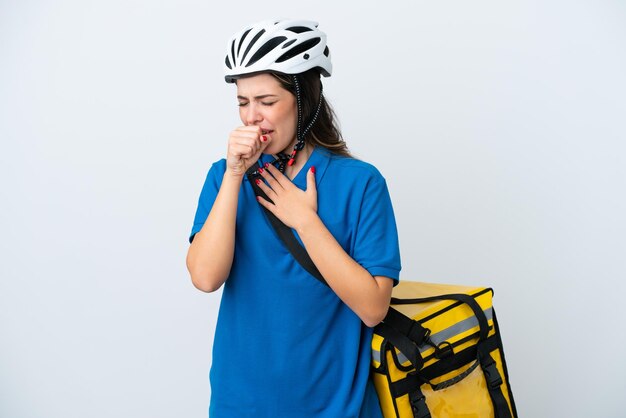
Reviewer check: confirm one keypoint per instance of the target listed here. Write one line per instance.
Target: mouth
(266, 131)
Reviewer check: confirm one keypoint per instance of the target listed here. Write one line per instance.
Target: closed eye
(241, 104)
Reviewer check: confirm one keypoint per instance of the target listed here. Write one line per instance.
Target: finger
(267, 205)
(253, 132)
(271, 194)
(241, 151)
(259, 143)
(311, 186)
(268, 176)
(250, 128)
(265, 140)
(281, 179)
(244, 136)
(252, 144)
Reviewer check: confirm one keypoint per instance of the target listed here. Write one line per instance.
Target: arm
(210, 256)
(367, 296)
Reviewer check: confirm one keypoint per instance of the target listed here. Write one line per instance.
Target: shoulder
(350, 169)
(217, 170)
(351, 165)
(219, 166)
(213, 177)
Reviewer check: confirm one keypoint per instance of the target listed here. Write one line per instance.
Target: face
(263, 102)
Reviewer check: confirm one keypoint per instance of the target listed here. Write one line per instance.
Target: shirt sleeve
(376, 244)
(207, 197)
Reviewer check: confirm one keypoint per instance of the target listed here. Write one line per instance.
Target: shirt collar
(319, 158)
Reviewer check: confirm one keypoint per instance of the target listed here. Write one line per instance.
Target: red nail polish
(258, 199)
(263, 138)
(261, 170)
(258, 181)
(267, 165)
(313, 169)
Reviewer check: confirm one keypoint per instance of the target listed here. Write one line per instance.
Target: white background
(499, 127)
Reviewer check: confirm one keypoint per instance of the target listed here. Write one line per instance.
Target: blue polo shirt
(285, 345)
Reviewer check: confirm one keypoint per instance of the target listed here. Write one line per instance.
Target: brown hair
(325, 131)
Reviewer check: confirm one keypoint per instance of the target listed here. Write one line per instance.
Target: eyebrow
(262, 96)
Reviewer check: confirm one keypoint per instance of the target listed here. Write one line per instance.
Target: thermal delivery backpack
(438, 353)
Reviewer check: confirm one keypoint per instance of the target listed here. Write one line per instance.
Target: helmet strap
(300, 133)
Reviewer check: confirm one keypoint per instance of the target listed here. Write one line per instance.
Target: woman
(287, 345)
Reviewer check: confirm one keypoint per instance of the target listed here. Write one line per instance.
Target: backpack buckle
(492, 376)
(418, 404)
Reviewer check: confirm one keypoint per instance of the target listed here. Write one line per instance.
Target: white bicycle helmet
(284, 46)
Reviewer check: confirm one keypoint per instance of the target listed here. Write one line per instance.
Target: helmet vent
(299, 29)
(298, 49)
(265, 49)
(242, 38)
(256, 38)
(232, 49)
(326, 51)
(228, 64)
(286, 44)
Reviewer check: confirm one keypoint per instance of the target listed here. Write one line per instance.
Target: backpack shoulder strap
(284, 232)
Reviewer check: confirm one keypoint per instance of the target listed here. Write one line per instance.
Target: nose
(252, 114)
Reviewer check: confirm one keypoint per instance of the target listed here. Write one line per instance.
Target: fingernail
(263, 138)
(267, 165)
(258, 181)
(258, 199)
(313, 169)
(261, 170)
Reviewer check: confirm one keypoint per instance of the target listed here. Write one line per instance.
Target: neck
(301, 158)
